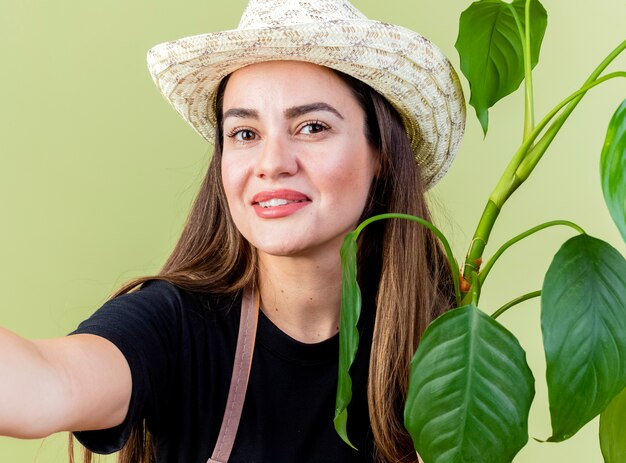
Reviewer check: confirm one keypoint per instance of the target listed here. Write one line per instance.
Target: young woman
(320, 118)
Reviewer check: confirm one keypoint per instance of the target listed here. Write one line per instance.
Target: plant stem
(524, 34)
(515, 301)
(475, 289)
(529, 110)
(454, 266)
(483, 275)
(480, 238)
(536, 152)
(594, 75)
(510, 181)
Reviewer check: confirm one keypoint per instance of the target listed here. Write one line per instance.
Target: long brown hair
(402, 261)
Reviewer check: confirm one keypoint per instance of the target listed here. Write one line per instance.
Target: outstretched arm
(79, 382)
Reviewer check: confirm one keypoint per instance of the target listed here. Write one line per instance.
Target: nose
(276, 158)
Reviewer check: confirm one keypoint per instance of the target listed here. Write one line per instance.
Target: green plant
(470, 388)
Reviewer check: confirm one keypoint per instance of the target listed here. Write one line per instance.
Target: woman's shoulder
(159, 302)
(164, 291)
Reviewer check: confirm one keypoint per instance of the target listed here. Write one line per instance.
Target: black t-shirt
(180, 346)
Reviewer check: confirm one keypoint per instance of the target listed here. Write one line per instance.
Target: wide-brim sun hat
(400, 64)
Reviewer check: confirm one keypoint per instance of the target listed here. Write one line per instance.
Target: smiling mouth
(275, 202)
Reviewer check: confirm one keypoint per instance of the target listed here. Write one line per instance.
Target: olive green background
(97, 172)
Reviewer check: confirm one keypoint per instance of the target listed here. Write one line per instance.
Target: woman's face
(296, 165)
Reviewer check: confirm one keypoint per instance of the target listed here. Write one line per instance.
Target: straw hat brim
(404, 67)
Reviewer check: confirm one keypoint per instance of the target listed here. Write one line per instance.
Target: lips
(279, 203)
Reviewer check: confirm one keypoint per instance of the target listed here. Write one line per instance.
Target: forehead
(285, 82)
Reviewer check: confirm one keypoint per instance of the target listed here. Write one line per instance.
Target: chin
(300, 249)
(281, 250)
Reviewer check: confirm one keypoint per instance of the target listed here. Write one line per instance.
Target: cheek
(355, 172)
(350, 183)
(233, 184)
(231, 179)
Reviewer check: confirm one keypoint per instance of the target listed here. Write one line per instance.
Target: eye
(313, 127)
(242, 135)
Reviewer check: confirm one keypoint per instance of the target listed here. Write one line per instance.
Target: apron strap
(239, 379)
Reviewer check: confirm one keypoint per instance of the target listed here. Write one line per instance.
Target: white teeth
(276, 202)
(273, 202)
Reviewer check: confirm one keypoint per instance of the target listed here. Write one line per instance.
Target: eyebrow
(290, 113)
(297, 111)
(242, 113)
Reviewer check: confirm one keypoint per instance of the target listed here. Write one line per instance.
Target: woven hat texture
(404, 67)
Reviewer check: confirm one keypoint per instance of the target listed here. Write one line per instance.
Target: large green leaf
(613, 168)
(583, 319)
(491, 49)
(470, 391)
(348, 334)
(613, 430)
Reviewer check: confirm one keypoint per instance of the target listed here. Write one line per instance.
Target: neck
(301, 296)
